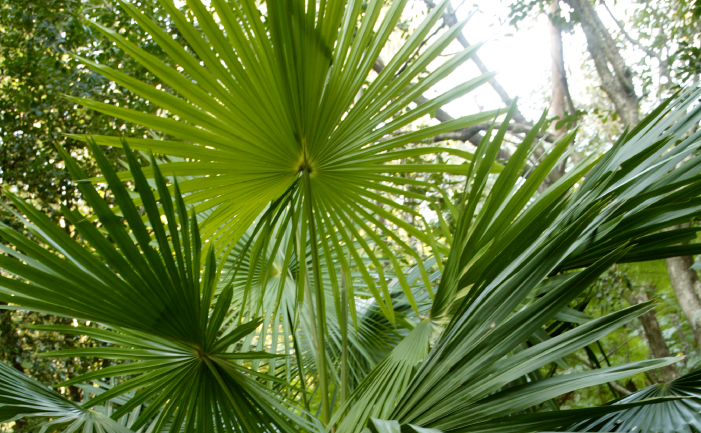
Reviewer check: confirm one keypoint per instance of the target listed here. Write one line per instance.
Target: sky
(521, 57)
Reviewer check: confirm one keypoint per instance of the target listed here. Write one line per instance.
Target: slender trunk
(558, 84)
(560, 96)
(683, 282)
(653, 333)
(557, 81)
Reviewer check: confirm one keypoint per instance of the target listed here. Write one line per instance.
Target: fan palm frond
(156, 306)
(279, 109)
(21, 397)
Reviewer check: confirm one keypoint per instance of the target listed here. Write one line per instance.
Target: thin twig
(630, 39)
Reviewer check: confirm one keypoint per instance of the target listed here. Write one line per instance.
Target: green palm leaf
(157, 307)
(675, 416)
(279, 105)
(273, 287)
(22, 397)
(287, 150)
(277, 112)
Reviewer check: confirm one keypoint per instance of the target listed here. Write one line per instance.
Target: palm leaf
(277, 112)
(675, 416)
(279, 101)
(22, 397)
(157, 307)
(273, 287)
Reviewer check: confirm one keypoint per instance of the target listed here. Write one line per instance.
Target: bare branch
(620, 389)
(630, 39)
(441, 115)
(473, 134)
(465, 134)
(450, 19)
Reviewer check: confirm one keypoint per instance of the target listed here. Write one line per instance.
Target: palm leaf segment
(157, 307)
(614, 215)
(272, 287)
(275, 109)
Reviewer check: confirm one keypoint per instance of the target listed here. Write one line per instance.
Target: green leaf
(22, 397)
(154, 306)
(677, 415)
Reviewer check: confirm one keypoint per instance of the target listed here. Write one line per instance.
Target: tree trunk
(616, 76)
(684, 281)
(653, 333)
(560, 96)
(557, 81)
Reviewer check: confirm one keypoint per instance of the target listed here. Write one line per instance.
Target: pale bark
(558, 83)
(653, 334)
(662, 55)
(616, 77)
(557, 80)
(684, 281)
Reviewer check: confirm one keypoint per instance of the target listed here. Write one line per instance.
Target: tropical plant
(674, 416)
(300, 305)
(23, 397)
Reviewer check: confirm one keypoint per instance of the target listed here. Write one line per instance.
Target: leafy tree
(38, 68)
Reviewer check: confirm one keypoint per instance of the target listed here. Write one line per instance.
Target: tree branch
(473, 134)
(630, 39)
(450, 19)
(620, 389)
(465, 134)
(616, 80)
(441, 115)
